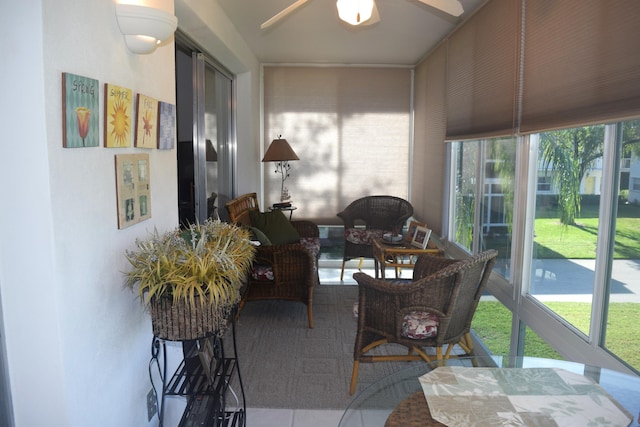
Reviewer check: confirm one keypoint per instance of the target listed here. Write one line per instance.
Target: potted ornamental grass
(190, 279)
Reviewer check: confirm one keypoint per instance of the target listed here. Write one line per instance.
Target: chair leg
(310, 315)
(354, 377)
(342, 271)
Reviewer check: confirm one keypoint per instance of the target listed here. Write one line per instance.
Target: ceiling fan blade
(452, 7)
(282, 14)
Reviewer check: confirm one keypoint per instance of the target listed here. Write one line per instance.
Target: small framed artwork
(421, 237)
(411, 231)
(118, 107)
(146, 122)
(80, 111)
(132, 189)
(166, 126)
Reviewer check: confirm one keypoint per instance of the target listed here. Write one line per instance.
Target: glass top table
(378, 404)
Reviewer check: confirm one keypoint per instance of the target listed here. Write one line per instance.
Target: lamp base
(285, 196)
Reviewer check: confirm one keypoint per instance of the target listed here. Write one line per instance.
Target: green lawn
(492, 324)
(555, 240)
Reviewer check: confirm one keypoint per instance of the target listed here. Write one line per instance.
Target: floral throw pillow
(420, 325)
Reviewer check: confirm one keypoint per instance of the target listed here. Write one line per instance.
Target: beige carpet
(284, 364)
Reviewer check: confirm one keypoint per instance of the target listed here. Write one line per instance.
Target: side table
(290, 209)
(387, 254)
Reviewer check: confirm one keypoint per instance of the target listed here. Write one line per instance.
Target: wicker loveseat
(284, 271)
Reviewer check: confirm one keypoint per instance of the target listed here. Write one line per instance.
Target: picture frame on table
(411, 231)
(421, 237)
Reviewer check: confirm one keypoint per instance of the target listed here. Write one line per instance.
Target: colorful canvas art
(80, 111)
(118, 107)
(146, 122)
(166, 126)
(132, 189)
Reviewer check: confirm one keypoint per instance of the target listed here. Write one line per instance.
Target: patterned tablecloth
(460, 396)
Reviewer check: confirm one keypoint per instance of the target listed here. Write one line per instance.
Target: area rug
(284, 364)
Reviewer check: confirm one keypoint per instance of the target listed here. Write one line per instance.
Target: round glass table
(391, 400)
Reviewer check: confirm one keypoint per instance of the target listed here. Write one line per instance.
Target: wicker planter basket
(179, 321)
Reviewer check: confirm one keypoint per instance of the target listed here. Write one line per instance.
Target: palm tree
(569, 153)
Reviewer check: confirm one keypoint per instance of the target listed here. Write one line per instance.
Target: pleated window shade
(581, 63)
(350, 127)
(428, 172)
(482, 73)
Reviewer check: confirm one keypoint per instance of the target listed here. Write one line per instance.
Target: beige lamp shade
(279, 151)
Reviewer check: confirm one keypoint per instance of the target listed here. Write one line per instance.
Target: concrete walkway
(572, 280)
(555, 279)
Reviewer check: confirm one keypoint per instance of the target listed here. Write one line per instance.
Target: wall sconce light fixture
(144, 28)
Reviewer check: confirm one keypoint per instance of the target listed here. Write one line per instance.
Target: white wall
(78, 344)
(29, 290)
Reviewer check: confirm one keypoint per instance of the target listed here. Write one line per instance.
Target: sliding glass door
(206, 137)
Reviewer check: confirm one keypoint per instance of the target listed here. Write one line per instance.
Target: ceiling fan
(363, 12)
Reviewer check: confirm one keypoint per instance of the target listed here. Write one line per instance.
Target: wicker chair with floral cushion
(286, 262)
(433, 309)
(370, 217)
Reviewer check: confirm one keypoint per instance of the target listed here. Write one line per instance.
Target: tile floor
(261, 417)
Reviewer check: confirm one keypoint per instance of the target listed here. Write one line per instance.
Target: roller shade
(350, 127)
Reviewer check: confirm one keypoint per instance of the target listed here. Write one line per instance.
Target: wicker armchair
(379, 215)
(283, 271)
(434, 309)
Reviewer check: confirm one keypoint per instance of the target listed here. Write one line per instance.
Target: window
(566, 223)
(544, 184)
(576, 247)
(484, 195)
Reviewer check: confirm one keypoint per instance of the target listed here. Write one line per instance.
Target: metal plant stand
(207, 386)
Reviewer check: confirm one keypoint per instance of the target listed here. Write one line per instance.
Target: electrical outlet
(152, 404)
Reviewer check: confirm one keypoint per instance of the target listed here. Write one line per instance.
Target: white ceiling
(407, 30)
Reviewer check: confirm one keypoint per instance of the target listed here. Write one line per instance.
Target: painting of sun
(118, 106)
(146, 122)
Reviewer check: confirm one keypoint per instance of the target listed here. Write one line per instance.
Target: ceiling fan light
(355, 12)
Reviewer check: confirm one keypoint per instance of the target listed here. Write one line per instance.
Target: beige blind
(350, 127)
(428, 171)
(482, 73)
(582, 63)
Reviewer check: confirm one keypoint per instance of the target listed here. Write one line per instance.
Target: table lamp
(281, 152)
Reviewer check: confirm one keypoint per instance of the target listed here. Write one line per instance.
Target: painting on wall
(166, 126)
(133, 191)
(118, 106)
(80, 111)
(146, 122)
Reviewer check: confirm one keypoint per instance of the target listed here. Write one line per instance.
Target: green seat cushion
(275, 226)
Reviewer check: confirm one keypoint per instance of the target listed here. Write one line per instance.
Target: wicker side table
(412, 412)
(394, 255)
